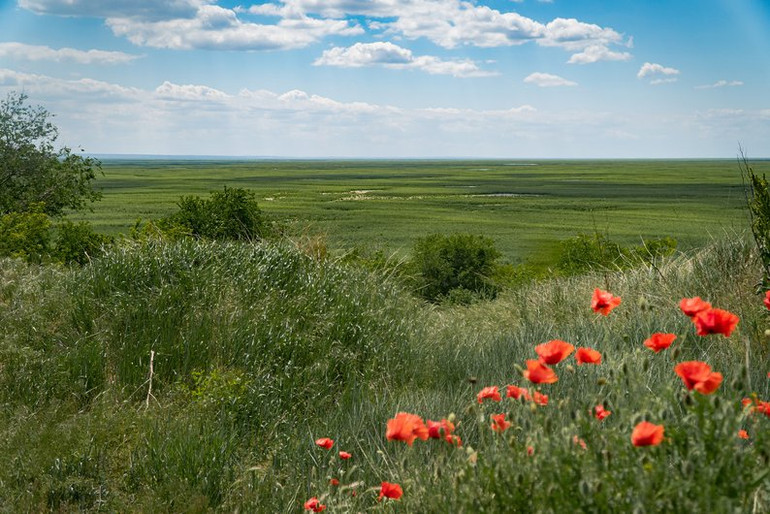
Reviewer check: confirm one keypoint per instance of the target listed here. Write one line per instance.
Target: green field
(527, 207)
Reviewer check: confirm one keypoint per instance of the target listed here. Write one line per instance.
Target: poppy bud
(533, 406)
(585, 489)
(716, 402)
(625, 369)
(601, 381)
(675, 353)
(646, 365)
(767, 332)
(570, 368)
(451, 417)
(472, 380)
(688, 400)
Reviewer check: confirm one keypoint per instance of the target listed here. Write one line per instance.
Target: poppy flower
(315, 505)
(443, 429)
(743, 434)
(588, 356)
(659, 341)
(600, 412)
(553, 351)
(715, 321)
(498, 423)
(578, 441)
(530, 450)
(540, 399)
(325, 443)
(392, 491)
(692, 306)
(647, 434)
(539, 373)
(698, 375)
(603, 302)
(454, 440)
(763, 407)
(345, 455)
(334, 482)
(516, 392)
(766, 299)
(490, 392)
(406, 427)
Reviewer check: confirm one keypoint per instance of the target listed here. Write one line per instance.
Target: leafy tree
(32, 170)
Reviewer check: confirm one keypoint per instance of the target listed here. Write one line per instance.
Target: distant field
(527, 207)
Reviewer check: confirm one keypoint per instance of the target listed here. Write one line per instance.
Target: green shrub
(458, 261)
(77, 242)
(230, 214)
(25, 235)
(587, 252)
(758, 201)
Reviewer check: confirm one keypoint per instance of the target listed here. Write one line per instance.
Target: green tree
(32, 170)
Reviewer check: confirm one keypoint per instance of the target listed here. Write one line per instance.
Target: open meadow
(527, 207)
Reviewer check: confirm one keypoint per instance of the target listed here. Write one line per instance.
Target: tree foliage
(32, 170)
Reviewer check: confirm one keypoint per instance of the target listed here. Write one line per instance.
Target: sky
(396, 78)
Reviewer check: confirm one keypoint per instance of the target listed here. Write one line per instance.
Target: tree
(32, 170)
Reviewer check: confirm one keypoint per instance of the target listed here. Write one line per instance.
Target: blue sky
(397, 78)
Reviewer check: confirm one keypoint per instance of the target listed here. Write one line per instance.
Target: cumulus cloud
(721, 83)
(23, 51)
(389, 55)
(648, 69)
(595, 53)
(548, 80)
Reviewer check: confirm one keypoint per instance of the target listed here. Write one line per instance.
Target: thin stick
(149, 388)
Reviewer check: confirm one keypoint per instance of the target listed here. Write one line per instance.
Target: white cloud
(595, 53)
(721, 83)
(389, 55)
(214, 27)
(657, 82)
(548, 80)
(147, 9)
(648, 69)
(23, 51)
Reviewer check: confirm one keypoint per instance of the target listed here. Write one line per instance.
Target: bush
(587, 252)
(77, 242)
(25, 235)
(458, 261)
(230, 214)
(758, 201)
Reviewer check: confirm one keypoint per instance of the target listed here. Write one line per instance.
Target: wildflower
(334, 482)
(443, 429)
(325, 443)
(578, 441)
(345, 455)
(647, 434)
(516, 392)
(715, 321)
(553, 351)
(539, 373)
(600, 412)
(454, 440)
(530, 451)
(692, 306)
(743, 434)
(603, 302)
(540, 399)
(315, 505)
(588, 356)
(763, 408)
(498, 423)
(406, 427)
(490, 392)
(389, 490)
(659, 341)
(766, 299)
(698, 375)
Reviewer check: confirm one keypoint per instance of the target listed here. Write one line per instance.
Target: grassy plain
(526, 206)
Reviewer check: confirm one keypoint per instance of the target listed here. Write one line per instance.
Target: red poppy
(743, 434)
(325, 443)
(539, 373)
(392, 491)
(498, 423)
(406, 427)
(516, 392)
(763, 407)
(600, 412)
(692, 306)
(334, 481)
(439, 429)
(603, 302)
(578, 441)
(698, 375)
(588, 356)
(766, 299)
(490, 392)
(454, 440)
(315, 505)
(540, 399)
(530, 450)
(553, 351)
(715, 321)
(345, 455)
(647, 434)
(659, 341)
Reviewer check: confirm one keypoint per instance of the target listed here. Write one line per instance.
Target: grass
(262, 349)
(527, 207)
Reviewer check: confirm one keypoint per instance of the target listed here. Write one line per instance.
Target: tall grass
(261, 349)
